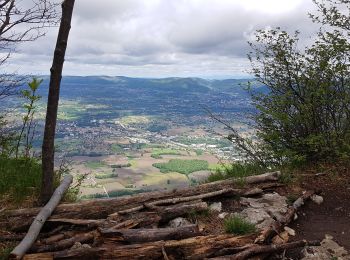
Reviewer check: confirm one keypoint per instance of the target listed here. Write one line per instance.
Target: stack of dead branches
(135, 227)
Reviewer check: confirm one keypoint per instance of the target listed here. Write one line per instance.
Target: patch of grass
(135, 120)
(199, 152)
(5, 252)
(19, 179)
(156, 156)
(157, 153)
(235, 170)
(133, 163)
(193, 215)
(238, 226)
(285, 178)
(116, 148)
(118, 166)
(106, 175)
(182, 166)
(291, 198)
(95, 164)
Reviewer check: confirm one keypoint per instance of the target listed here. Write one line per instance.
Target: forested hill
(107, 86)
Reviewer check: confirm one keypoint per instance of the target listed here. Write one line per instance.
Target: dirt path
(332, 217)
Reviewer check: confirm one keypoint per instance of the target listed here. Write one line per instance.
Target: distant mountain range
(173, 85)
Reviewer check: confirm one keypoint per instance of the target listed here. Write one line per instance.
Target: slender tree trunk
(52, 102)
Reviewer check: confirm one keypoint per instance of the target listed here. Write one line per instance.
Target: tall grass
(238, 226)
(19, 178)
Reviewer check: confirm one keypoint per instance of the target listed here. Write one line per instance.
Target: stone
(317, 199)
(282, 238)
(329, 249)
(178, 222)
(262, 211)
(216, 206)
(223, 215)
(76, 245)
(290, 231)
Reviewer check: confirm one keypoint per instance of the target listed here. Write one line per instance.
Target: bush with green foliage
(182, 166)
(304, 116)
(238, 226)
(27, 132)
(19, 178)
(303, 113)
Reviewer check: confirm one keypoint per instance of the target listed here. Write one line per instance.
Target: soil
(332, 217)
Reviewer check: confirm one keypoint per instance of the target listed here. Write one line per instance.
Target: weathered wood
(182, 199)
(266, 249)
(149, 235)
(40, 219)
(66, 243)
(100, 208)
(79, 222)
(191, 248)
(278, 225)
(168, 213)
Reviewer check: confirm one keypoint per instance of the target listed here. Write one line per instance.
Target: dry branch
(19, 220)
(66, 243)
(149, 235)
(191, 248)
(40, 219)
(277, 226)
(267, 249)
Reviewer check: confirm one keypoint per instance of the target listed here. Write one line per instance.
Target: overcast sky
(163, 38)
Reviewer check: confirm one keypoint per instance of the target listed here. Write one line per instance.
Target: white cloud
(163, 37)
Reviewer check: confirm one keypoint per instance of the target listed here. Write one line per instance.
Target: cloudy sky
(161, 38)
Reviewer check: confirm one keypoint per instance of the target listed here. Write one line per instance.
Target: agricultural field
(152, 167)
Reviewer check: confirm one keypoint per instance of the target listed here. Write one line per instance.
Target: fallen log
(278, 225)
(151, 205)
(254, 250)
(40, 219)
(191, 248)
(100, 208)
(168, 213)
(66, 243)
(149, 235)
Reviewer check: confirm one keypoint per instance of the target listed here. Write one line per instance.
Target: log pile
(136, 227)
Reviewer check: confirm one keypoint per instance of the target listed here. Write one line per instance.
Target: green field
(106, 175)
(157, 152)
(95, 164)
(182, 166)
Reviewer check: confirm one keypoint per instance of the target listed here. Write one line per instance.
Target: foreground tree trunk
(52, 102)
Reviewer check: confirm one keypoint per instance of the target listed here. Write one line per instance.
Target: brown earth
(332, 217)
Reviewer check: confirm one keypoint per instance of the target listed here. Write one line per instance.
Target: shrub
(19, 178)
(238, 226)
(303, 114)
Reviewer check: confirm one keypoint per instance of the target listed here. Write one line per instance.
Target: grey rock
(317, 199)
(223, 215)
(178, 222)
(262, 211)
(329, 249)
(216, 206)
(290, 231)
